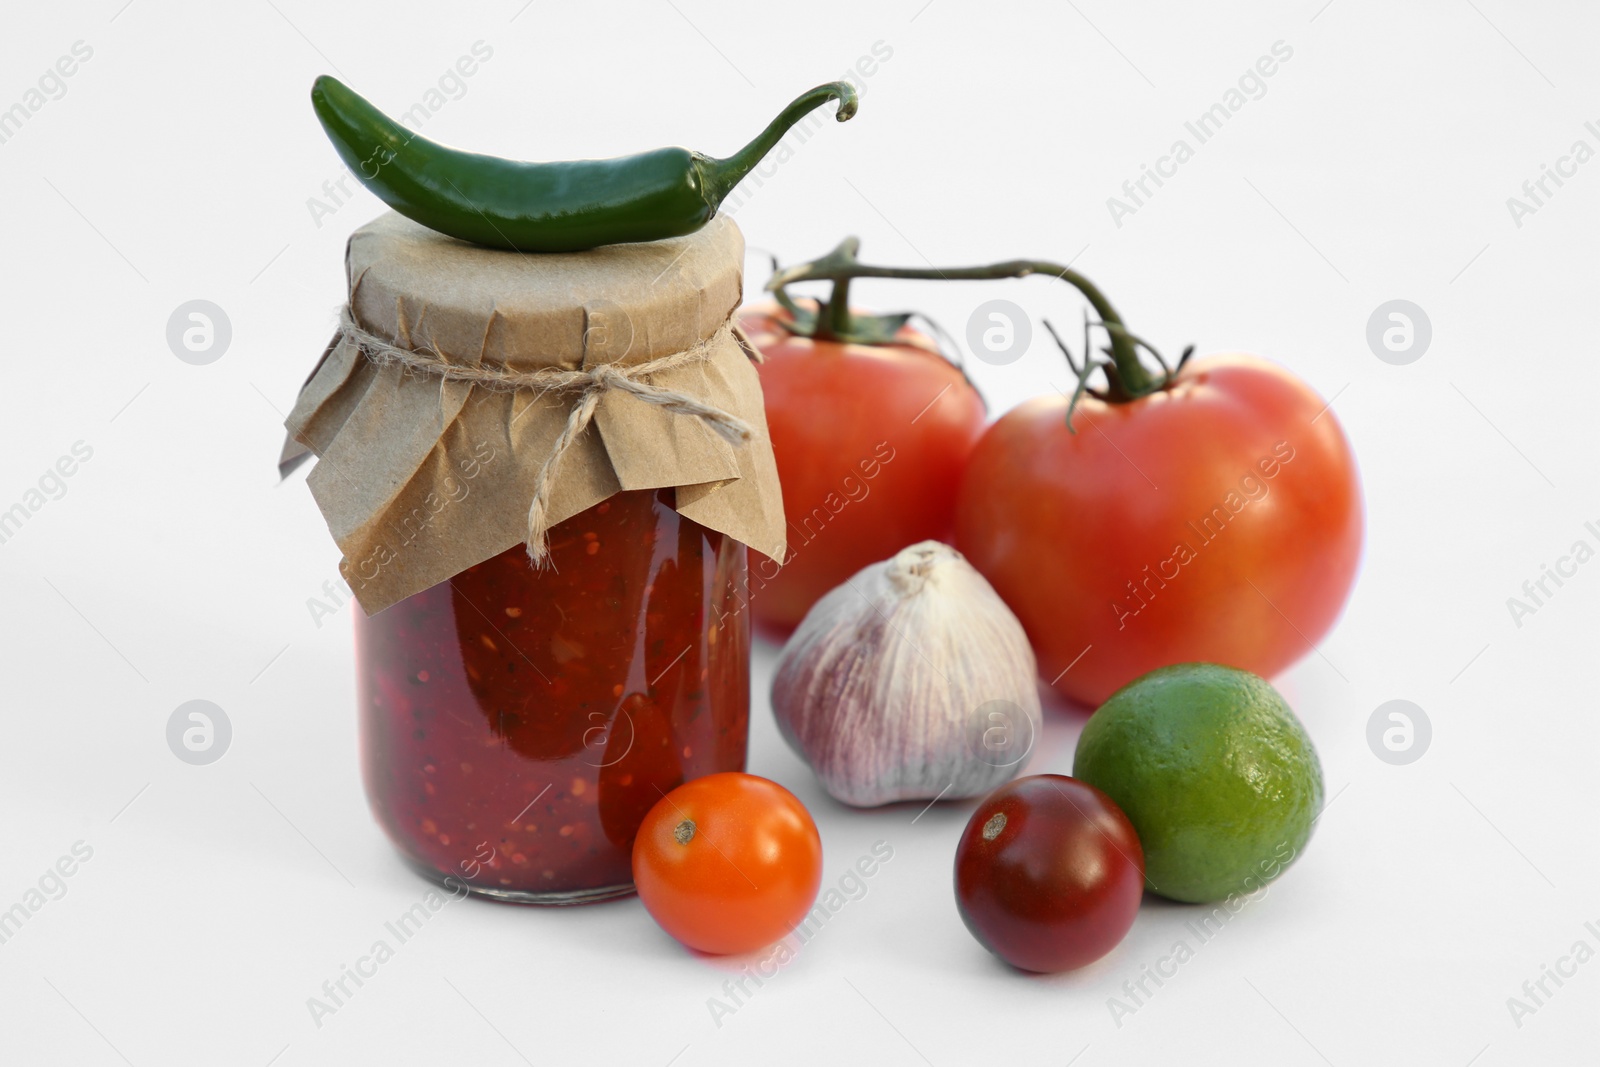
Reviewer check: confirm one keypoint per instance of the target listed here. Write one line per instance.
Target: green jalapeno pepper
(544, 207)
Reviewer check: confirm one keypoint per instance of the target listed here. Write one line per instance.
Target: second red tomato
(1218, 520)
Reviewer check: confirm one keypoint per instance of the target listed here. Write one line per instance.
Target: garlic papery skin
(910, 681)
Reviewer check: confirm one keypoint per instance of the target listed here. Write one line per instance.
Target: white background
(178, 165)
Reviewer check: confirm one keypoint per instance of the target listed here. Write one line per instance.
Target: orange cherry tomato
(728, 863)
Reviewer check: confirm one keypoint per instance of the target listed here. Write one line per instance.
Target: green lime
(1215, 773)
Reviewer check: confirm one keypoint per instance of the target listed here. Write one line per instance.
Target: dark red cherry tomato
(1049, 873)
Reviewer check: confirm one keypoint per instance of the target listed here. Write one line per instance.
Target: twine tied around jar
(588, 385)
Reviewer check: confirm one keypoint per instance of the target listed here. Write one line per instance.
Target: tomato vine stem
(1127, 376)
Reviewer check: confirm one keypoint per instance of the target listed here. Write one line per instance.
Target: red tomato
(1049, 873)
(728, 863)
(870, 441)
(1219, 521)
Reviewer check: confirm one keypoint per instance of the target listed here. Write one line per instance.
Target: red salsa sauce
(517, 724)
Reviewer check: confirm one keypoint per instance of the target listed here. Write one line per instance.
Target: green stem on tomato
(1131, 378)
(834, 321)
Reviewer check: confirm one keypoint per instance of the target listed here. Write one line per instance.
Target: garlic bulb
(913, 680)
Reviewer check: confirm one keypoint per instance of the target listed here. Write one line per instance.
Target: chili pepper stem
(721, 175)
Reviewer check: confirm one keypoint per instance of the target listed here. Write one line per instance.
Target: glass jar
(517, 724)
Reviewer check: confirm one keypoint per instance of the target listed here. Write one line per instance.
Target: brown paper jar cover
(420, 478)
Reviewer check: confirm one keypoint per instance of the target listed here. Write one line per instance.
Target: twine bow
(588, 385)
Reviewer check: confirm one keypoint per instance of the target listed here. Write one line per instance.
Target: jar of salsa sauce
(519, 719)
(517, 723)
